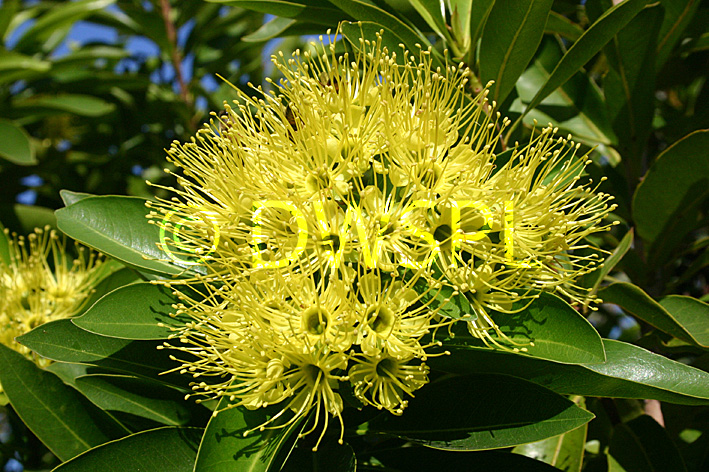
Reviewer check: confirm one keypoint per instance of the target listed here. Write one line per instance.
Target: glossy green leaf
(663, 218)
(137, 311)
(319, 11)
(69, 372)
(334, 458)
(559, 333)
(564, 452)
(51, 28)
(629, 84)
(678, 15)
(157, 450)
(83, 105)
(225, 449)
(62, 419)
(366, 11)
(577, 107)
(117, 278)
(629, 372)
(691, 314)
(117, 226)
(511, 36)
(15, 145)
(642, 445)
(430, 11)
(482, 411)
(587, 46)
(422, 459)
(63, 341)
(135, 396)
(69, 197)
(634, 300)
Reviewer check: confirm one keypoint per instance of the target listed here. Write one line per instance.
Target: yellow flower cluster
(40, 283)
(338, 214)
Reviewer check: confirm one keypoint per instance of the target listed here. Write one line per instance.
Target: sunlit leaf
(136, 311)
(157, 450)
(225, 448)
(629, 372)
(510, 39)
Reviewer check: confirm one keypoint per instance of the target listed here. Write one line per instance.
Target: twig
(176, 59)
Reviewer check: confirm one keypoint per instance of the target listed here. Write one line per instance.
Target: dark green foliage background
(628, 81)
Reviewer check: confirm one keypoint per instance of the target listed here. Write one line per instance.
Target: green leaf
(691, 314)
(611, 261)
(116, 279)
(430, 11)
(117, 226)
(269, 30)
(136, 311)
(642, 445)
(335, 458)
(366, 11)
(629, 372)
(69, 197)
(30, 217)
(318, 11)
(157, 450)
(83, 105)
(564, 452)
(63, 341)
(629, 85)
(479, 14)
(15, 145)
(135, 396)
(7, 13)
(87, 56)
(678, 14)
(511, 36)
(587, 46)
(225, 449)
(559, 24)
(60, 417)
(483, 411)
(577, 107)
(50, 29)
(634, 300)
(11, 61)
(443, 301)
(352, 32)
(422, 459)
(559, 333)
(663, 218)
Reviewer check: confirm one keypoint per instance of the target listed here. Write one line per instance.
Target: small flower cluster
(39, 282)
(337, 215)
